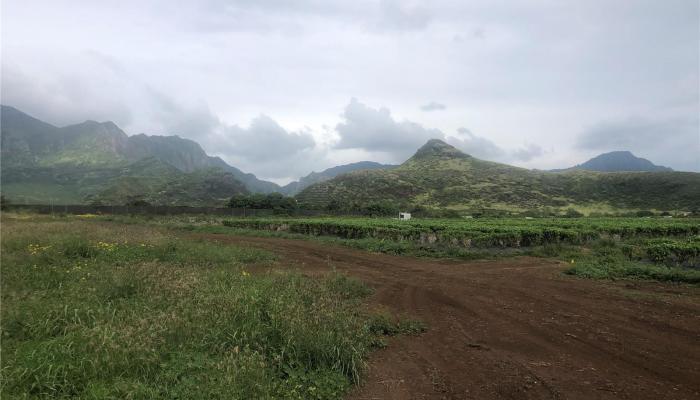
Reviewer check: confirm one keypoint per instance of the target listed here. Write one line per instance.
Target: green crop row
(678, 252)
(477, 232)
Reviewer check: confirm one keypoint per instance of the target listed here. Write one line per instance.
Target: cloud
(375, 130)
(668, 141)
(481, 147)
(193, 122)
(264, 140)
(477, 146)
(528, 153)
(433, 106)
(266, 148)
(64, 98)
(397, 15)
(530, 72)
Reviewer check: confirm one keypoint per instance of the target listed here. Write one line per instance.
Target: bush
(138, 203)
(271, 201)
(572, 213)
(644, 213)
(380, 209)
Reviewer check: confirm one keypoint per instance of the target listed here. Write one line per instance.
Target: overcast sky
(280, 88)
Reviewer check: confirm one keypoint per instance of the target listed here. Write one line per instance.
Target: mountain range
(97, 162)
(441, 176)
(295, 187)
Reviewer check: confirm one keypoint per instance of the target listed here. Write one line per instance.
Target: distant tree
(572, 213)
(278, 201)
(334, 205)
(4, 202)
(138, 203)
(449, 213)
(380, 209)
(96, 203)
(417, 209)
(644, 213)
(531, 213)
(240, 201)
(271, 201)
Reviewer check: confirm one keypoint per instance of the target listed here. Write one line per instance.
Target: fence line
(166, 210)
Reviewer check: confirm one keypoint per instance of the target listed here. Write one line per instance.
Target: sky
(281, 88)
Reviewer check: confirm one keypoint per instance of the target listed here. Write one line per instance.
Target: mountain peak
(621, 160)
(438, 148)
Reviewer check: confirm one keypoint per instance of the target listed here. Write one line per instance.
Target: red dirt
(515, 328)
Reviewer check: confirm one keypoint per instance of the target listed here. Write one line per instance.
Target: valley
(350, 200)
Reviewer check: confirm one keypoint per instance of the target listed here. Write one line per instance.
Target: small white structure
(404, 216)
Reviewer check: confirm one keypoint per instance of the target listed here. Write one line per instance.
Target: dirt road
(516, 328)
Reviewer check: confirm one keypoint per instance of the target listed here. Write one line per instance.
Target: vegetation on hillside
(43, 163)
(295, 187)
(151, 180)
(617, 161)
(439, 176)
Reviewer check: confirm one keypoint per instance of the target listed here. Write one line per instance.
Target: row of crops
(668, 251)
(482, 232)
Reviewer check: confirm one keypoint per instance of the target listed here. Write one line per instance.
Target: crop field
(95, 309)
(646, 248)
(501, 232)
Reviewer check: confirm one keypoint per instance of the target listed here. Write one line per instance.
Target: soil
(515, 328)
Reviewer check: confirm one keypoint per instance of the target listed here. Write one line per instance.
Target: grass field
(95, 309)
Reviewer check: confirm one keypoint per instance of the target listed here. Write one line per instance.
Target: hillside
(295, 187)
(98, 162)
(149, 179)
(30, 143)
(440, 176)
(617, 161)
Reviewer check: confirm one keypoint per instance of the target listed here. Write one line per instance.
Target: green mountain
(295, 187)
(149, 179)
(440, 176)
(29, 142)
(95, 161)
(618, 161)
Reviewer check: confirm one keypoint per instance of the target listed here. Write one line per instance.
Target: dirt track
(516, 328)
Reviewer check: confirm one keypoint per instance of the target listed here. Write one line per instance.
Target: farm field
(660, 248)
(212, 307)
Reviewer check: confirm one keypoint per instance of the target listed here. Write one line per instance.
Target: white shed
(404, 216)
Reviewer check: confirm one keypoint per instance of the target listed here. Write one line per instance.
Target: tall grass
(98, 310)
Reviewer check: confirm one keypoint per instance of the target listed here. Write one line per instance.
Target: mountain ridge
(98, 162)
(28, 141)
(295, 187)
(617, 161)
(440, 176)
